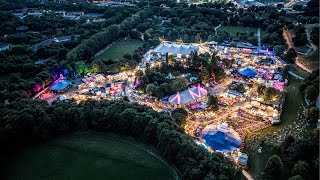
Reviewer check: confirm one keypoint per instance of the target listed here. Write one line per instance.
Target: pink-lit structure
(36, 88)
(278, 85)
(187, 96)
(177, 98)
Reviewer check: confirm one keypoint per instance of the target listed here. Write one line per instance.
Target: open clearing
(89, 155)
(232, 30)
(118, 49)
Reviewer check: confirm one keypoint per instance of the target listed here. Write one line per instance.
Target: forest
(28, 121)
(25, 121)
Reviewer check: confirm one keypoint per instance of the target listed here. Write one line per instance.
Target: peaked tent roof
(188, 95)
(167, 47)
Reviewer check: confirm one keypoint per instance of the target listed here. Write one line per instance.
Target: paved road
(295, 75)
(288, 39)
(215, 29)
(247, 175)
(259, 39)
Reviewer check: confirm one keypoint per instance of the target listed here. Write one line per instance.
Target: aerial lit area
(159, 89)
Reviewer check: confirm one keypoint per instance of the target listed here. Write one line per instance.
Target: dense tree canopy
(31, 120)
(273, 167)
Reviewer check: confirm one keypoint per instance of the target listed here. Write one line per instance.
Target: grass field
(292, 106)
(299, 72)
(120, 48)
(232, 30)
(89, 155)
(311, 61)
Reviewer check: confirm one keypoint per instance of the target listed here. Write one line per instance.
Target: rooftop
(60, 85)
(188, 95)
(184, 48)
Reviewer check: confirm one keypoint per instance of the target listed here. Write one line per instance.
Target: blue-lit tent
(221, 137)
(61, 85)
(248, 72)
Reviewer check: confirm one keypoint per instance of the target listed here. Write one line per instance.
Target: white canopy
(184, 49)
(188, 95)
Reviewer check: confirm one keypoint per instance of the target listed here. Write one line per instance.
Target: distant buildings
(249, 3)
(22, 28)
(4, 46)
(112, 3)
(280, 5)
(77, 14)
(22, 13)
(53, 40)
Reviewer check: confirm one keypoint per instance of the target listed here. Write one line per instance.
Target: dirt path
(288, 38)
(311, 45)
(247, 175)
(104, 49)
(215, 29)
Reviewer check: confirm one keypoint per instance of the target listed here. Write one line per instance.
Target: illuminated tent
(221, 137)
(183, 49)
(188, 95)
(248, 72)
(60, 85)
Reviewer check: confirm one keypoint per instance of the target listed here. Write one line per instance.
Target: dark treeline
(298, 158)
(28, 121)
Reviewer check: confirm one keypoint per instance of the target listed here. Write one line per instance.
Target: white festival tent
(188, 95)
(183, 49)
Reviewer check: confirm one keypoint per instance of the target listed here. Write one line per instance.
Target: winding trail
(311, 45)
(103, 50)
(215, 29)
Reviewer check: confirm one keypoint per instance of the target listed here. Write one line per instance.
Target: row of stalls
(101, 86)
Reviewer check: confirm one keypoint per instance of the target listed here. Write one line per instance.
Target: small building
(280, 5)
(242, 159)
(75, 13)
(19, 15)
(93, 15)
(64, 38)
(36, 14)
(4, 46)
(22, 28)
(63, 13)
